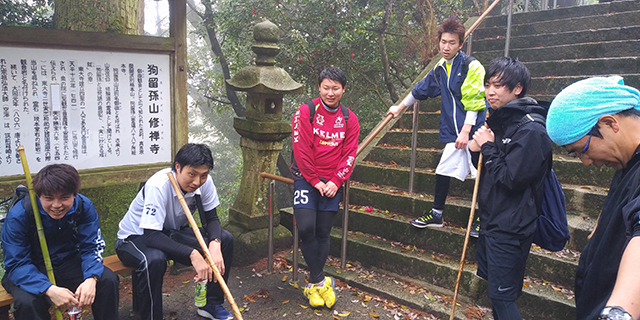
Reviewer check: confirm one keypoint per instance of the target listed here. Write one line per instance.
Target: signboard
(90, 109)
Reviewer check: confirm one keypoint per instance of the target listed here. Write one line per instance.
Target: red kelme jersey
(325, 147)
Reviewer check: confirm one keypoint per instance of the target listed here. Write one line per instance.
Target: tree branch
(217, 100)
(217, 50)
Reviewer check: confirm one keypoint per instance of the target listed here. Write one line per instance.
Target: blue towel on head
(577, 108)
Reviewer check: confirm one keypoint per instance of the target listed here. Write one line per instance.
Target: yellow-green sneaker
(328, 291)
(315, 300)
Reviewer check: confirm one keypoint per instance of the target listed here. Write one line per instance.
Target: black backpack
(552, 232)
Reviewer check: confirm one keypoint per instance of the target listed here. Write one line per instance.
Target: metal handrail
(273, 177)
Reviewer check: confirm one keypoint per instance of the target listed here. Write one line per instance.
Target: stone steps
(591, 50)
(558, 38)
(568, 170)
(440, 271)
(581, 67)
(585, 200)
(578, 23)
(601, 9)
(407, 206)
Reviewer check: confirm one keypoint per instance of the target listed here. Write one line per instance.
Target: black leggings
(314, 228)
(441, 189)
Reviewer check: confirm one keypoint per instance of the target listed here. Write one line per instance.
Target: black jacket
(600, 259)
(514, 166)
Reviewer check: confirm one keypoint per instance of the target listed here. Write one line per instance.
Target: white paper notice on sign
(89, 109)
(55, 98)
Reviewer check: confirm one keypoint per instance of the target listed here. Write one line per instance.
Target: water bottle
(75, 313)
(201, 294)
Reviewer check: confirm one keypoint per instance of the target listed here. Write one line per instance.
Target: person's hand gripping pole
(204, 247)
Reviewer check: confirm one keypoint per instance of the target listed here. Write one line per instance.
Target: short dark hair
(193, 154)
(334, 74)
(633, 112)
(57, 179)
(452, 25)
(510, 71)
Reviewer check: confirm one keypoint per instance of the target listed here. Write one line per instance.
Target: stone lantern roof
(265, 77)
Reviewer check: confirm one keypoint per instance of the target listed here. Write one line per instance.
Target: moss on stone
(111, 203)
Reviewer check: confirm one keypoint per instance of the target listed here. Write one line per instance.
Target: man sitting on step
(72, 230)
(517, 155)
(597, 120)
(458, 80)
(155, 229)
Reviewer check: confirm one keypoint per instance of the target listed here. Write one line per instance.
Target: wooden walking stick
(466, 236)
(204, 247)
(36, 215)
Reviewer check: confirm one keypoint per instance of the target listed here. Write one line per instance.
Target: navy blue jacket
(66, 239)
(459, 93)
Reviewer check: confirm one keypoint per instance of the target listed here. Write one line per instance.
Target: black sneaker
(475, 228)
(427, 220)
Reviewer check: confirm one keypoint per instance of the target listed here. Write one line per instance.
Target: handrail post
(414, 145)
(526, 6)
(296, 241)
(272, 185)
(345, 226)
(469, 43)
(507, 39)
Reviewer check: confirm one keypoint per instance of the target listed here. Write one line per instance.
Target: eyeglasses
(586, 147)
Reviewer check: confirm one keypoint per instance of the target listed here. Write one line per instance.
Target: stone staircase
(559, 47)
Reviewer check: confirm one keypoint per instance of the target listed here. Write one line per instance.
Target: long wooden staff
(36, 215)
(204, 247)
(466, 236)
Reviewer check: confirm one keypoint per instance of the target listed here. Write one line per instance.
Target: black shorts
(502, 262)
(306, 196)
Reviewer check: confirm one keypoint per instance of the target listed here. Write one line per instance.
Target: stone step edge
(556, 46)
(561, 33)
(418, 301)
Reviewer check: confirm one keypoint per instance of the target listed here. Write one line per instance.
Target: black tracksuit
(510, 198)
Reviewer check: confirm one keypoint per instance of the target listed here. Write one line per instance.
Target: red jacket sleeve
(349, 150)
(303, 144)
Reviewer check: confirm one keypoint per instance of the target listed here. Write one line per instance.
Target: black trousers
(502, 263)
(151, 265)
(28, 306)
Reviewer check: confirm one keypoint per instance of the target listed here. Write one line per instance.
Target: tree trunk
(117, 16)
(430, 28)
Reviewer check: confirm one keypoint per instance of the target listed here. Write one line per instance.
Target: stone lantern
(262, 133)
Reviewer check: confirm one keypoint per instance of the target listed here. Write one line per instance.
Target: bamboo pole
(204, 247)
(466, 236)
(36, 215)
